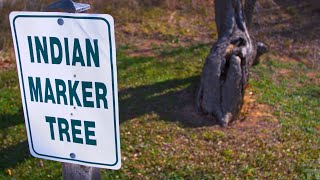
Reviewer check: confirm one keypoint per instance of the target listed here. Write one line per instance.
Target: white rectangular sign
(68, 79)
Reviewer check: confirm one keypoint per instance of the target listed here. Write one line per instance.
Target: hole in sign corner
(72, 155)
(60, 21)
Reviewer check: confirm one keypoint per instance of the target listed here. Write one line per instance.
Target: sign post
(68, 79)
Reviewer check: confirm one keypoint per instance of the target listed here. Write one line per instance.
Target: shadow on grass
(12, 155)
(170, 52)
(10, 120)
(172, 100)
(299, 29)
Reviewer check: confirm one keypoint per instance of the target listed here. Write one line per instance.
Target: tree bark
(226, 70)
(78, 172)
(249, 6)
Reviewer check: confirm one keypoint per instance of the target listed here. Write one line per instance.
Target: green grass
(295, 98)
(137, 22)
(159, 142)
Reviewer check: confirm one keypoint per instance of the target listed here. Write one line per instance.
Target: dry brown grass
(143, 25)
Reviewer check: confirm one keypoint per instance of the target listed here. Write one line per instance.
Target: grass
(175, 23)
(294, 95)
(158, 141)
(295, 99)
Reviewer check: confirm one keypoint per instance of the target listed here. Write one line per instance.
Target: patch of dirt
(256, 120)
(285, 58)
(186, 113)
(284, 71)
(6, 64)
(289, 28)
(314, 77)
(145, 48)
(260, 115)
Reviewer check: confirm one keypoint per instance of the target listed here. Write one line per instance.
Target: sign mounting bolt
(60, 21)
(72, 155)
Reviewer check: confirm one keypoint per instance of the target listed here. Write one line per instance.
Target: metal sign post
(75, 171)
(69, 6)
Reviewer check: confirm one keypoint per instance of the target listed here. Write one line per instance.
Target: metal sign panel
(68, 80)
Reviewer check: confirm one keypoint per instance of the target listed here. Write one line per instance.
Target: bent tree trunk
(226, 70)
